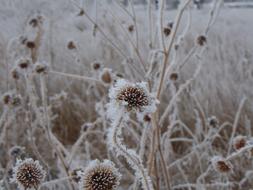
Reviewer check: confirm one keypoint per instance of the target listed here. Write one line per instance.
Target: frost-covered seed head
(239, 142)
(15, 74)
(131, 28)
(96, 66)
(221, 165)
(173, 76)
(106, 76)
(201, 40)
(71, 45)
(130, 97)
(30, 44)
(28, 174)
(213, 121)
(41, 68)
(100, 176)
(23, 63)
(135, 97)
(17, 152)
(166, 31)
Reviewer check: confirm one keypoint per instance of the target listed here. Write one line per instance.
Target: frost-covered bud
(132, 97)
(30, 44)
(239, 142)
(41, 68)
(28, 174)
(221, 165)
(100, 176)
(201, 40)
(106, 76)
(131, 28)
(96, 66)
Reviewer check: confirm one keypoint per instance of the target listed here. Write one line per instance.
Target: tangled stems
(115, 142)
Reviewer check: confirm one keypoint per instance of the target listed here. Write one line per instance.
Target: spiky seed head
(131, 97)
(221, 165)
(100, 176)
(201, 40)
(28, 174)
(239, 142)
(135, 97)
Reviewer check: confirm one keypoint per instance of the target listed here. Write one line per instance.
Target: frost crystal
(100, 176)
(28, 174)
(131, 98)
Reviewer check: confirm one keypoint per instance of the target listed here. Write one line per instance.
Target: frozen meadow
(102, 96)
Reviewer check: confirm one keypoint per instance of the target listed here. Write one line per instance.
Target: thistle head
(100, 176)
(28, 174)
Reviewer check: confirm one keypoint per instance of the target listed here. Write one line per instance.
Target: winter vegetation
(106, 95)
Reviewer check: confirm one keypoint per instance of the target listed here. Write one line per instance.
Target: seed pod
(30, 44)
(173, 76)
(166, 31)
(71, 45)
(131, 28)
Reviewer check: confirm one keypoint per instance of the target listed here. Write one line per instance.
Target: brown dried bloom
(106, 76)
(30, 44)
(71, 45)
(173, 76)
(166, 31)
(131, 28)
(23, 63)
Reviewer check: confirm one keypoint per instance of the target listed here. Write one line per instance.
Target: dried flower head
(239, 142)
(131, 97)
(28, 174)
(41, 68)
(221, 165)
(106, 76)
(201, 40)
(100, 176)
